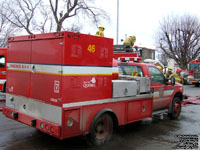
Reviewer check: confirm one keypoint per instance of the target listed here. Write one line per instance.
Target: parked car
(184, 74)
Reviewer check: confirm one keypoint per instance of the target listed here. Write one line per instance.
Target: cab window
(2, 61)
(130, 70)
(156, 75)
(194, 67)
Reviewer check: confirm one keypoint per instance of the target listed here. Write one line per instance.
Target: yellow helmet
(159, 67)
(134, 37)
(102, 27)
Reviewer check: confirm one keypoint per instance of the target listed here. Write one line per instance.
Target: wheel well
(180, 95)
(106, 111)
(114, 117)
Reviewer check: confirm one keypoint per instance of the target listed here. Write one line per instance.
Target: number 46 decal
(91, 48)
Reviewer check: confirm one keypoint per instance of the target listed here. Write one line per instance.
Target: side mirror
(173, 80)
(166, 81)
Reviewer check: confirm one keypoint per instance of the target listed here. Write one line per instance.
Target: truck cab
(164, 91)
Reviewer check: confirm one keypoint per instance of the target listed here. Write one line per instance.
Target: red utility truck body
(62, 84)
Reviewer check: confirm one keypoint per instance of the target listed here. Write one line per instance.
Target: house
(147, 53)
(172, 64)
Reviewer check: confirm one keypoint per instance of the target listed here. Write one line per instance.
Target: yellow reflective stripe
(178, 79)
(134, 74)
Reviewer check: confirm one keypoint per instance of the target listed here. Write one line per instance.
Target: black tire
(175, 108)
(101, 131)
(196, 84)
(4, 88)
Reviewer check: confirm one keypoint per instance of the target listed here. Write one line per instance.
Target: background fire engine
(194, 72)
(3, 63)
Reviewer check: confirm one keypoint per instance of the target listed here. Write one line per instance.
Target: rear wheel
(4, 88)
(102, 129)
(175, 108)
(196, 84)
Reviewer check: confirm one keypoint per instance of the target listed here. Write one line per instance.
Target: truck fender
(178, 94)
(109, 111)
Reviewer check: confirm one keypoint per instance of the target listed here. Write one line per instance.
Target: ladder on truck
(125, 53)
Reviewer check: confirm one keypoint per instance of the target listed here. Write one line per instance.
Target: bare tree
(163, 58)
(72, 8)
(20, 13)
(6, 30)
(42, 16)
(74, 28)
(179, 38)
(30, 15)
(44, 21)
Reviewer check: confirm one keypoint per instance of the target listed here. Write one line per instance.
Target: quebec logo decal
(91, 83)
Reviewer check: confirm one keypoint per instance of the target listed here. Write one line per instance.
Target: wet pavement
(151, 134)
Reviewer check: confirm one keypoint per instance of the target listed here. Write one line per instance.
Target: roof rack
(122, 49)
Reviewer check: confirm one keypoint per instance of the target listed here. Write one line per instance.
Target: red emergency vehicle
(3, 61)
(194, 72)
(62, 84)
(121, 53)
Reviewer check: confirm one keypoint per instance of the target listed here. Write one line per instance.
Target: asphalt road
(158, 133)
(192, 90)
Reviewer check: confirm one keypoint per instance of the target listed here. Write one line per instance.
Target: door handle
(33, 69)
(152, 90)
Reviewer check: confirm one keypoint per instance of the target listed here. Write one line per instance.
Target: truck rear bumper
(42, 125)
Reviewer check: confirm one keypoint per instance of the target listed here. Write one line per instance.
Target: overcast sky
(141, 17)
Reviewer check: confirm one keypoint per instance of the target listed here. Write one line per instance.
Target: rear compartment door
(46, 66)
(18, 67)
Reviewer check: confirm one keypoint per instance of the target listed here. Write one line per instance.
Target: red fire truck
(62, 84)
(3, 62)
(194, 72)
(165, 96)
(122, 53)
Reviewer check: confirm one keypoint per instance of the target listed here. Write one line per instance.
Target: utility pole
(117, 21)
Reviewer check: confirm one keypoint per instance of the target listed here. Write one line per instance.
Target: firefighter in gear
(177, 76)
(101, 31)
(135, 74)
(130, 41)
(169, 72)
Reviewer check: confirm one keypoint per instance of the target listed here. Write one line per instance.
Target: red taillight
(46, 127)
(122, 59)
(139, 59)
(49, 128)
(52, 130)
